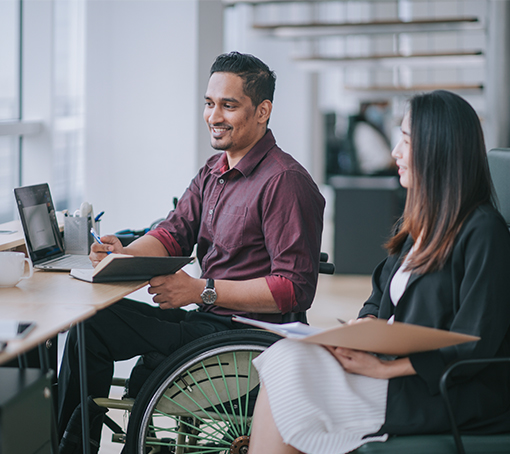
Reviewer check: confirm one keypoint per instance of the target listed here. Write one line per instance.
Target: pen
(96, 237)
(98, 216)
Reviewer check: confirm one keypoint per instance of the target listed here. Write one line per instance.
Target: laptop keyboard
(69, 262)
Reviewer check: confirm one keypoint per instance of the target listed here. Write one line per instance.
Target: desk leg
(45, 369)
(83, 389)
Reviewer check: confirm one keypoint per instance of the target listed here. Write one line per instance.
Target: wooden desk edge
(41, 334)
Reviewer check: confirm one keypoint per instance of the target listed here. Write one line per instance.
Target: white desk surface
(11, 240)
(16, 240)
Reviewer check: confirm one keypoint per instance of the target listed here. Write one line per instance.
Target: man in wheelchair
(256, 217)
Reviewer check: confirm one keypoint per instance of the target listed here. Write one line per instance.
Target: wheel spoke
(240, 406)
(195, 401)
(220, 416)
(248, 391)
(220, 400)
(207, 435)
(234, 423)
(207, 423)
(203, 449)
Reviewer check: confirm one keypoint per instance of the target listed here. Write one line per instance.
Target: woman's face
(402, 152)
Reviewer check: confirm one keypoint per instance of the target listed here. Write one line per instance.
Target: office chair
(499, 165)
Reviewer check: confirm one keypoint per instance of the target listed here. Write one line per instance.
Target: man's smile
(219, 130)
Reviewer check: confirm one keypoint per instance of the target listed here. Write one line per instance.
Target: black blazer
(471, 295)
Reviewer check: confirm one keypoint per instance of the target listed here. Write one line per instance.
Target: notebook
(43, 239)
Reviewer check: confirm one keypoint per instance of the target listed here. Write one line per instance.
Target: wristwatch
(209, 294)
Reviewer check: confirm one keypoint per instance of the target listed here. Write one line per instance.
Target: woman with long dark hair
(448, 268)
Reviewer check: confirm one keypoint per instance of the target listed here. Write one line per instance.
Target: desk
(49, 322)
(58, 288)
(12, 240)
(16, 240)
(55, 301)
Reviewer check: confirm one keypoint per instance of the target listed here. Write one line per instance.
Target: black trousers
(122, 331)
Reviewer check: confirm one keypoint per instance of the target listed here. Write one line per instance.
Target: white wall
(144, 103)
(293, 115)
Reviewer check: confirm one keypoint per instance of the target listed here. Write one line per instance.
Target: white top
(399, 283)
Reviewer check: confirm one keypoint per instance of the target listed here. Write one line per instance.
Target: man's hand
(176, 290)
(99, 251)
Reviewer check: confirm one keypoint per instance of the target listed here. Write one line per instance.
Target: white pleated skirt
(319, 408)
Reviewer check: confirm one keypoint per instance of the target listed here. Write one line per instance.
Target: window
(9, 103)
(41, 100)
(68, 110)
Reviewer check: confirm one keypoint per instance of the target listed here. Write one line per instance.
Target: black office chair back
(499, 165)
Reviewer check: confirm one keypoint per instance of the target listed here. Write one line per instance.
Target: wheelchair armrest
(294, 317)
(444, 393)
(324, 266)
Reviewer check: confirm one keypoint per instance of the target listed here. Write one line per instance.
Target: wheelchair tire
(201, 398)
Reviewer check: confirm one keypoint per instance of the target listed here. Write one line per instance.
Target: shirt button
(221, 181)
(210, 211)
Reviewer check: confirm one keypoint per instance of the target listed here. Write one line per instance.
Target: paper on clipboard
(371, 335)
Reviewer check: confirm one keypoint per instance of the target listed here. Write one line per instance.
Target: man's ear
(264, 111)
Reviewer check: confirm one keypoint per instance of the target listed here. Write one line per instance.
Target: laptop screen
(37, 213)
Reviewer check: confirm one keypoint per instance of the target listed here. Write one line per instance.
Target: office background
(103, 98)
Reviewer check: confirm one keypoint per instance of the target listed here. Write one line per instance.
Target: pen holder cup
(77, 237)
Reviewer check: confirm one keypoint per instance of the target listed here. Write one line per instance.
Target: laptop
(43, 239)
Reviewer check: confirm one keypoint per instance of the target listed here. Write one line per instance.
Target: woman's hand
(362, 363)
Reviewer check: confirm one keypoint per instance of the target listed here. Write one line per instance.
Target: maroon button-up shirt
(263, 218)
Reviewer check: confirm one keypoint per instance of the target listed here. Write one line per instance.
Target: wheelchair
(200, 399)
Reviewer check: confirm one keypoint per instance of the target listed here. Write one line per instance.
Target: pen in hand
(96, 237)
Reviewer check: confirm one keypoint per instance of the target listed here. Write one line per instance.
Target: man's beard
(220, 147)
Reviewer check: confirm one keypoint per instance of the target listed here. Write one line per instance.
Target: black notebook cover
(117, 267)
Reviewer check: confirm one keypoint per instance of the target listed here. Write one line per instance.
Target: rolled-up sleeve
(167, 240)
(283, 293)
(292, 224)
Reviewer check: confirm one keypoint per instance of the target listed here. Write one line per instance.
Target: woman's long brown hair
(449, 177)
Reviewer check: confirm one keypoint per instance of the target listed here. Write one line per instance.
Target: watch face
(208, 296)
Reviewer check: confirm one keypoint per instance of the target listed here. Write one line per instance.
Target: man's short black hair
(258, 80)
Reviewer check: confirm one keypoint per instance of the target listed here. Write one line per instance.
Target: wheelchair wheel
(200, 399)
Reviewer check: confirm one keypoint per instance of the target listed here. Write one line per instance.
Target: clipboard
(370, 335)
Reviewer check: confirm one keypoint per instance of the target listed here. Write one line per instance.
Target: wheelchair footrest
(119, 438)
(118, 404)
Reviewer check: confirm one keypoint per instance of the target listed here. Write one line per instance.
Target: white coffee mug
(12, 268)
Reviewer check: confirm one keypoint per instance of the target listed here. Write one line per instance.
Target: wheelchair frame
(200, 399)
(218, 369)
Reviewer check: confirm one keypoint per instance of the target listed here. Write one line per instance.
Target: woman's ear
(264, 111)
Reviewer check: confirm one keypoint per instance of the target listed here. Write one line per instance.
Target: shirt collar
(250, 160)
